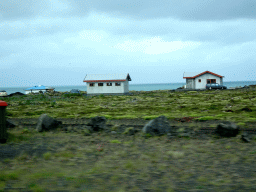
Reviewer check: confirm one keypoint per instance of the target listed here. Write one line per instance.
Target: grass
(154, 163)
(205, 105)
(47, 155)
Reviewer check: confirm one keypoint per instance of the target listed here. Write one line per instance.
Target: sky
(58, 42)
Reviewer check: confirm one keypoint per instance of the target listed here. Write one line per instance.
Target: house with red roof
(108, 84)
(199, 80)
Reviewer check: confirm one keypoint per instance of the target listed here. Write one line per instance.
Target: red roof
(202, 74)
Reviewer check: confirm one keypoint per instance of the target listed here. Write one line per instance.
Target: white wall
(204, 78)
(126, 86)
(106, 89)
(190, 83)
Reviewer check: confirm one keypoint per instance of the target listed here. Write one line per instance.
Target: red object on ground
(3, 104)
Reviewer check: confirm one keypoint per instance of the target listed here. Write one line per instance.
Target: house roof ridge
(107, 77)
(194, 76)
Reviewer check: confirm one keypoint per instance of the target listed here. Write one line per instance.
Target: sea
(132, 87)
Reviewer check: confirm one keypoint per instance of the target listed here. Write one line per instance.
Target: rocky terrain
(96, 154)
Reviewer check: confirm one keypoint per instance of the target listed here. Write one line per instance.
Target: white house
(109, 84)
(199, 80)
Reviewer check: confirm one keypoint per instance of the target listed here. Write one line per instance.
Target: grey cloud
(143, 9)
(224, 32)
(179, 9)
(13, 9)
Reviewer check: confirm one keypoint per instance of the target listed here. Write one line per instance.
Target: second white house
(108, 84)
(199, 80)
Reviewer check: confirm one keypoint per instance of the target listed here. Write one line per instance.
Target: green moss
(115, 141)
(206, 118)
(241, 124)
(150, 117)
(147, 105)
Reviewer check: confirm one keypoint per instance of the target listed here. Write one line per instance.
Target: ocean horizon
(132, 87)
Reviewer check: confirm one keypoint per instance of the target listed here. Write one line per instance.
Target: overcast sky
(58, 42)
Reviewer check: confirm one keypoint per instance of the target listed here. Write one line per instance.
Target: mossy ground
(118, 162)
(235, 105)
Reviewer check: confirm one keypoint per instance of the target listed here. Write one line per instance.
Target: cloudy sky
(58, 42)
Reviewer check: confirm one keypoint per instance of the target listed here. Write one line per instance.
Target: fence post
(3, 130)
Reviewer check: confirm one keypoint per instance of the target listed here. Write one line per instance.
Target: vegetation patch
(115, 141)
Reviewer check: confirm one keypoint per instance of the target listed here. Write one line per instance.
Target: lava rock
(9, 124)
(158, 126)
(97, 123)
(16, 94)
(227, 129)
(75, 91)
(46, 123)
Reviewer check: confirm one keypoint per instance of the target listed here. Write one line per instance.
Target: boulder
(227, 129)
(16, 94)
(97, 123)
(158, 126)
(9, 124)
(75, 91)
(46, 123)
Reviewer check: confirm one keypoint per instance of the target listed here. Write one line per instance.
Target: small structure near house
(199, 80)
(39, 89)
(109, 84)
(3, 93)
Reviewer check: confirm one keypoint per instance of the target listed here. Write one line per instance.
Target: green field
(234, 105)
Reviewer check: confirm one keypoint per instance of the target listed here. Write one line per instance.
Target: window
(209, 81)
(91, 84)
(118, 84)
(199, 80)
(109, 84)
(100, 84)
